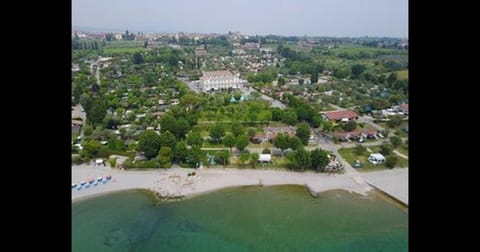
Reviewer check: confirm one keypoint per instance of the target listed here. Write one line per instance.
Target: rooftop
(338, 115)
(216, 74)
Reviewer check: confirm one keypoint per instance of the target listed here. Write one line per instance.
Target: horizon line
(82, 28)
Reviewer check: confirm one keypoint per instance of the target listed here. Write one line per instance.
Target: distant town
(162, 100)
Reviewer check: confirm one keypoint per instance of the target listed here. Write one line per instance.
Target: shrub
(266, 151)
(391, 161)
(140, 164)
(112, 162)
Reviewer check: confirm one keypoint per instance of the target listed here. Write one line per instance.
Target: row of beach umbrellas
(91, 182)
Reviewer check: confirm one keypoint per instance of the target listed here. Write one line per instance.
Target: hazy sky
(281, 17)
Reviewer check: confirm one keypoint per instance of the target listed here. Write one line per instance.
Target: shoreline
(174, 182)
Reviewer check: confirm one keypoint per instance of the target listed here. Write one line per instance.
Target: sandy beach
(175, 182)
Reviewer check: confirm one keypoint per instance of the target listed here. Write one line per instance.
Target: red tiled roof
(404, 106)
(338, 115)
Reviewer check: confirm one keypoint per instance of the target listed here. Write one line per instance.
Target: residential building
(76, 126)
(404, 108)
(217, 80)
(201, 50)
(340, 116)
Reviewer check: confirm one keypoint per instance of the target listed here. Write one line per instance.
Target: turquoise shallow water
(279, 218)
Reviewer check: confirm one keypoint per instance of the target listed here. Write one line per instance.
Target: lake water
(278, 218)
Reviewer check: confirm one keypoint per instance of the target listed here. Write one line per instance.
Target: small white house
(376, 158)
(265, 158)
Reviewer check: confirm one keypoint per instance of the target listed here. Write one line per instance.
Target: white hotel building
(217, 80)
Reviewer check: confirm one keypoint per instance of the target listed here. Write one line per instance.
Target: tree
(96, 112)
(281, 142)
(138, 58)
(319, 159)
(391, 161)
(254, 159)
(395, 121)
(277, 114)
(181, 128)
(237, 96)
(316, 121)
(396, 141)
(357, 70)
(229, 141)
(189, 101)
(165, 156)
(252, 116)
(217, 132)
(290, 117)
(87, 130)
(180, 152)
(167, 123)
(251, 132)
(91, 148)
(195, 139)
(266, 151)
(395, 99)
(314, 77)
(380, 103)
(244, 157)
(168, 139)
(301, 159)
(294, 142)
(381, 79)
(341, 73)
(281, 81)
(360, 149)
(223, 157)
(241, 142)
(350, 126)
(392, 78)
(237, 128)
(301, 81)
(327, 126)
(386, 149)
(149, 143)
(303, 132)
(195, 156)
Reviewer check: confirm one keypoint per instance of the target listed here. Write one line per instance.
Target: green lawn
(402, 162)
(402, 75)
(349, 155)
(397, 130)
(109, 51)
(369, 50)
(403, 148)
(265, 145)
(207, 144)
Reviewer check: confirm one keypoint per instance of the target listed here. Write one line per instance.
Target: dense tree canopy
(149, 143)
(319, 159)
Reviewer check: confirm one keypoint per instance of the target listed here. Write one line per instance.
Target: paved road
(275, 103)
(369, 120)
(393, 182)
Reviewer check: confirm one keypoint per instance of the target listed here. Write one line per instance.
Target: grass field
(403, 148)
(402, 162)
(112, 50)
(349, 155)
(397, 130)
(402, 75)
(369, 50)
